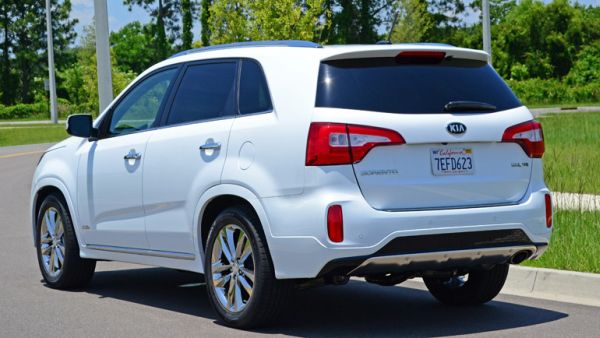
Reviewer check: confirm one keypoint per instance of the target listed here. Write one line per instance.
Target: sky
(119, 14)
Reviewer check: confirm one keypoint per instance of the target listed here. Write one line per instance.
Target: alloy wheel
(232, 268)
(52, 245)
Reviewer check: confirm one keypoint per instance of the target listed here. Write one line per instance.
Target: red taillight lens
(548, 201)
(338, 143)
(420, 56)
(335, 223)
(529, 135)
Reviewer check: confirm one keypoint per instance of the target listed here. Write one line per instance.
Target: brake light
(529, 136)
(338, 143)
(420, 56)
(335, 223)
(548, 201)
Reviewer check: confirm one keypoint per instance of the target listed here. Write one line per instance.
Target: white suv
(265, 165)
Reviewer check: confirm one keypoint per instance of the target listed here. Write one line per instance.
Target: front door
(110, 169)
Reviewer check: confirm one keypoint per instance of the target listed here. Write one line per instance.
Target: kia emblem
(456, 128)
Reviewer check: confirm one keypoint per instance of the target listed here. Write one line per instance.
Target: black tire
(481, 287)
(269, 294)
(75, 272)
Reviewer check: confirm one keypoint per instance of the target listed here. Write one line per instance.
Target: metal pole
(51, 79)
(103, 54)
(487, 37)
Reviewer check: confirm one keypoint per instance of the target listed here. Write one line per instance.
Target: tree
(6, 75)
(357, 21)
(412, 22)
(187, 14)
(539, 40)
(165, 18)
(248, 20)
(130, 47)
(24, 45)
(204, 22)
(81, 80)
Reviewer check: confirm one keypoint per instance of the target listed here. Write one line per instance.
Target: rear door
(186, 156)
(451, 112)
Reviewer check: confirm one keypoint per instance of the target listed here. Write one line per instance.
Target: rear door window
(205, 92)
(384, 85)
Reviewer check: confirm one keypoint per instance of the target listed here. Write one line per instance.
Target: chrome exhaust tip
(520, 256)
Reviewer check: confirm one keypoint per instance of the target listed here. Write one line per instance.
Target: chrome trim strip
(443, 256)
(142, 252)
(502, 204)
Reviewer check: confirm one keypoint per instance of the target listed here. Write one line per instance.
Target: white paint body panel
(159, 205)
(176, 173)
(109, 191)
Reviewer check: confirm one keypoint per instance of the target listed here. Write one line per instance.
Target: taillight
(529, 136)
(548, 202)
(338, 143)
(335, 223)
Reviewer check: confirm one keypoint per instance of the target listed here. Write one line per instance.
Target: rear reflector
(420, 56)
(335, 223)
(548, 201)
(338, 143)
(529, 136)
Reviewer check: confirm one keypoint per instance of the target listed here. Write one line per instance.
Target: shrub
(553, 91)
(23, 110)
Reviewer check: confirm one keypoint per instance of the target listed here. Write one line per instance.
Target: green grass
(575, 244)
(572, 152)
(563, 105)
(39, 117)
(31, 134)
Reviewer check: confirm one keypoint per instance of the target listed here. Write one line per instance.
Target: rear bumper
(439, 252)
(300, 248)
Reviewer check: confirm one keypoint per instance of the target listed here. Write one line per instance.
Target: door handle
(211, 145)
(132, 155)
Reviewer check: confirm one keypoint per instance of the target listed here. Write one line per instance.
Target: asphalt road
(129, 300)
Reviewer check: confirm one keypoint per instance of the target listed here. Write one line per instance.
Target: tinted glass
(254, 92)
(138, 110)
(205, 92)
(383, 85)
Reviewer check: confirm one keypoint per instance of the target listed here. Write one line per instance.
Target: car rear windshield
(385, 85)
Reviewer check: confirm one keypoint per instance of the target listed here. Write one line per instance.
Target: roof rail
(277, 43)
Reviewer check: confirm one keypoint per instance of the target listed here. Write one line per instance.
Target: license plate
(452, 161)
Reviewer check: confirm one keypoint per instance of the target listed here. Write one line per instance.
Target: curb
(572, 201)
(585, 109)
(557, 285)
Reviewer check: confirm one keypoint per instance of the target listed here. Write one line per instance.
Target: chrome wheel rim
(52, 245)
(232, 268)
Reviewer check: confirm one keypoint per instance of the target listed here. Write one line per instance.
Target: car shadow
(356, 309)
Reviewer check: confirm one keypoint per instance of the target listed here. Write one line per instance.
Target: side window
(139, 108)
(205, 92)
(254, 92)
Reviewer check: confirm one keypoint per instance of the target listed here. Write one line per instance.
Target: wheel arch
(44, 188)
(220, 197)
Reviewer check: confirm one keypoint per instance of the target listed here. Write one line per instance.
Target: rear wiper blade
(468, 105)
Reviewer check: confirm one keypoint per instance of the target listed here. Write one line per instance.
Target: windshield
(384, 85)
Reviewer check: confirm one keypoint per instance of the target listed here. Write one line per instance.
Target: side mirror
(80, 125)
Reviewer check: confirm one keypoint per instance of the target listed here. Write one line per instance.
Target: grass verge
(572, 152)
(575, 243)
(563, 105)
(31, 134)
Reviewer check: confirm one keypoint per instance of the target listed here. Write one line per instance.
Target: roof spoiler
(378, 51)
